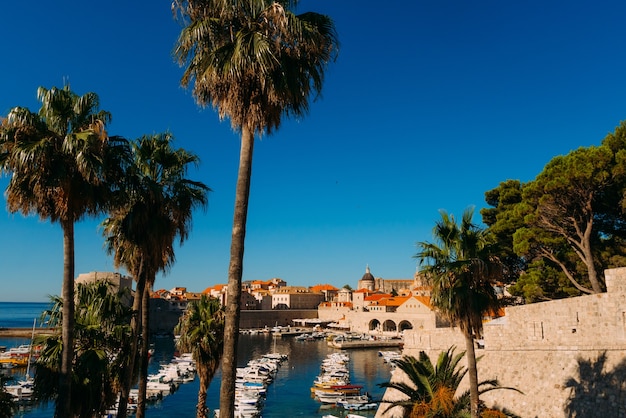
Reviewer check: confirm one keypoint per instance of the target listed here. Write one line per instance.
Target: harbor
(288, 395)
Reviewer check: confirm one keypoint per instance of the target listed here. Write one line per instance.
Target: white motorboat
(22, 390)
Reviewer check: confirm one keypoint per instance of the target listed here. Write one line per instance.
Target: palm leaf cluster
(461, 271)
(102, 341)
(429, 389)
(253, 60)
(156, 197)
(55, 157)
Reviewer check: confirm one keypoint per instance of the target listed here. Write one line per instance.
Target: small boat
(343, 389)
(355, 399)
(156, 383)
(22, 390)
(358, 406)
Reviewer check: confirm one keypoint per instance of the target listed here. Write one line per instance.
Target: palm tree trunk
(135, 326)
(143, 352)
(235, 273)
(472, 372)
(201, 409)
(64, 400)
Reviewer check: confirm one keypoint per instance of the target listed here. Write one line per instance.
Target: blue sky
(429, 105)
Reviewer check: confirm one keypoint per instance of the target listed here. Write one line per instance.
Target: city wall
(568, 356)
(271, 318)
(163, 319)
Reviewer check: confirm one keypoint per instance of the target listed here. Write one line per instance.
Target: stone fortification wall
(433, 341)
(163, 319)
(271, 318)
(568, 357)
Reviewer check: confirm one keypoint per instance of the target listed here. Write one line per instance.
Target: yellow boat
(14, 361)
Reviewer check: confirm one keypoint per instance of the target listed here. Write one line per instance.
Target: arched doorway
(405, 325)
(374, 325)
(389, 325)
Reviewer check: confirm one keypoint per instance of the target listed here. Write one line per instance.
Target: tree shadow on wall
(596, 392)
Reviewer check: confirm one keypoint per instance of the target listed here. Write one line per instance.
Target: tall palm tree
(59, 160)
(254, 61)
(430, 389)
(155, 207)
(461, 272)
(102, 334)
(201, 330)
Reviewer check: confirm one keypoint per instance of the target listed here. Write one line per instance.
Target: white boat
(22, 390)
(276, 356)
(354, 400)
(156, 383)
(247, 411)
(357, 406)
(328, 398)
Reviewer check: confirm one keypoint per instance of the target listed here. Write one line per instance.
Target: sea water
(288, 396)
(21, 314)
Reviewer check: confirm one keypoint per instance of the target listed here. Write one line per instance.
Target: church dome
(367, 277)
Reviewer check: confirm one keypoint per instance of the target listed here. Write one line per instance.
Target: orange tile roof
(321, 287)
(391, 301)
(377, 296)
(217, 287)
(159, 293)
(424, 300)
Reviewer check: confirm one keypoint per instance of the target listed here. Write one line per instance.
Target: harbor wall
(271, 318)
(163, 319)
(566, 356)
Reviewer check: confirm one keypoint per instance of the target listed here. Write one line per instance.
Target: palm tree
(461, 272)
(430, 389)
(102, 334)
(201, 331)
(155, 206)
(253, 61)
(60, 160)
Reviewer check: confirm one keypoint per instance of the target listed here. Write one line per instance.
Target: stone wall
(271, 318)
(163, 319)
(568, 356)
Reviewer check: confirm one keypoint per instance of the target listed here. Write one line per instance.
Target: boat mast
(30, 349)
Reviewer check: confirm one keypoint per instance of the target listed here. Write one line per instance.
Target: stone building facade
(567, 356)
(295, 297)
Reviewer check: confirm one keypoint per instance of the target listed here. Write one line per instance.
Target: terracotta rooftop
(377, 296)
(322, 287)
(391, 301)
